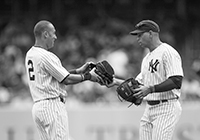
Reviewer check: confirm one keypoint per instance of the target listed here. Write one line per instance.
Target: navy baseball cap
(145, 26)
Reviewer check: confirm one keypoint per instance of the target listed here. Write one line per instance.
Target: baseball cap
(145, 26)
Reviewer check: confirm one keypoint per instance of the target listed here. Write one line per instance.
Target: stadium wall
(97, 123)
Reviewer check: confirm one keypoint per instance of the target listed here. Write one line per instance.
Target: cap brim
(135, 32)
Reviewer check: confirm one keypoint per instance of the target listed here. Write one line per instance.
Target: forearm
(117, 81)
(74, 71)
(169, 84)
(76, 78)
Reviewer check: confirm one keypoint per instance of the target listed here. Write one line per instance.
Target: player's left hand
(87, 67)
(142, 91)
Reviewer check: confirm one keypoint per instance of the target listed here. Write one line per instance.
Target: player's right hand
(96, 78)
(87, 67)
(142, 91)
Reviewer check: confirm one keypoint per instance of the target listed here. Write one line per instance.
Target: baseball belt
(156, 102)
(61, 99)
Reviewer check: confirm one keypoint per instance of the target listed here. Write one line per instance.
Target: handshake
(105, 76)
(104, 73)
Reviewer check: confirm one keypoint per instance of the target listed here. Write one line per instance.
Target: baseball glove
(105, 71)
(125, 91)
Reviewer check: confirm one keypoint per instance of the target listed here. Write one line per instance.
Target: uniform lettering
(31, 70)
(153, 65)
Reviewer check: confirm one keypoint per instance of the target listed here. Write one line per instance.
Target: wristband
(82, 77)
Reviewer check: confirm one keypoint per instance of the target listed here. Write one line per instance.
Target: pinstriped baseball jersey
(159, 65)
(44, 71)
(158, 121)
(163, 109)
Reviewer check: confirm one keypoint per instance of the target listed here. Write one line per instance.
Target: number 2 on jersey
(30, 70)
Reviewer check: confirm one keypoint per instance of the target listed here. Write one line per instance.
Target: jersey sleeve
(172, 63)
(53, 65)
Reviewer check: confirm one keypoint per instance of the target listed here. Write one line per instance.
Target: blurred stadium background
(93, 30)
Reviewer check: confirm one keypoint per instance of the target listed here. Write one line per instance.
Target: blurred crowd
(76, 44)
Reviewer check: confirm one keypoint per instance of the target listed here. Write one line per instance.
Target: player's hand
(87, 67)
(96, 78)
(142, 91)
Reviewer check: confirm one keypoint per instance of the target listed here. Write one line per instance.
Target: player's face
(143, 39)
(51, 37)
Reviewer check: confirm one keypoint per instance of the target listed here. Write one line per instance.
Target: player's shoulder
(169, 51)
(41, 55)
(38, 54)
(42, 52)
(166, 48)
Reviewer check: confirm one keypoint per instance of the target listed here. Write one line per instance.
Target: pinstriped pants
(51, 119)
(158, 121)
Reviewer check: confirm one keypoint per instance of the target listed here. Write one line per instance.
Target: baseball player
(160, 78)
(47, 80)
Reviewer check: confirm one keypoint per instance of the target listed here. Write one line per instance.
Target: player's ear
(45, 34)
(150, 33)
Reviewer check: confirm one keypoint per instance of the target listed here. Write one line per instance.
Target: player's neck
(40, 45)
(155, 45)
(158, 43)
